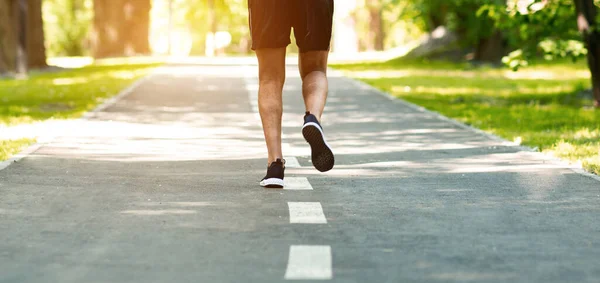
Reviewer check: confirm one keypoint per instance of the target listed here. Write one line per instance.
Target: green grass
(65, 94)
(541, 105)
(61, 95)
(10, 147)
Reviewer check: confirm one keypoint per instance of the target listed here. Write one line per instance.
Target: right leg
(313, 71)
(312, 29)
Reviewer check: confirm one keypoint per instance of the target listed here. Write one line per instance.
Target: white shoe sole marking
(272, 182)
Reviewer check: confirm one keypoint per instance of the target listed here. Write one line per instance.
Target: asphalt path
(162, 186)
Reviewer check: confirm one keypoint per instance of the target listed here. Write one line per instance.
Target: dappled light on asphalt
(189, 139)
(473, 276)
(210, 117)
(175, 165)
(159, 212)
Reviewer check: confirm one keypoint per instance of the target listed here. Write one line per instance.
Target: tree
(205, 18)
(475, 32)
(7, 36)
(587, 25)
(121, 28)
(13, 21)
(67, 24)
(20, 24)
(552, 29)
(137, 26)
(36, 50)
(369, 16)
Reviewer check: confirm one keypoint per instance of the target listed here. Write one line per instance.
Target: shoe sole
(272, 183)
(321, 154)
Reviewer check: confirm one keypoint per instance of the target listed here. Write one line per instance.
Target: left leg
(270, 26)
(271, 65)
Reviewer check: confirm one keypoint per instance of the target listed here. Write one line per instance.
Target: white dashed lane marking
(292, 162)
(309, 263)
(297, 184)
(305, 262)
(306, 213)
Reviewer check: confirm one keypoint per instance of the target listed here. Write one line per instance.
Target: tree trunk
(8, 42)
(20, 12)
(108, 40)
(377, 33)
(137, 18)
(211, 44)
(35, 35)
(490, 49)
(437, 16)
(121, 28)
(586, 20)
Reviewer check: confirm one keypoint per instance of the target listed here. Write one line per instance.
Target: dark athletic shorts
(271, 22)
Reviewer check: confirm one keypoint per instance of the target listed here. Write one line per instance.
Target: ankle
(273, 160)
(318, 115)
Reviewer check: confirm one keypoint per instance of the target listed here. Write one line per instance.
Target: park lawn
(11, 147)
(64, 94)
(541, 106)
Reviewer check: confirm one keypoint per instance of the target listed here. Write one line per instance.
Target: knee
(317, 71)
(271, 84)
(269, 77)
(270, 80)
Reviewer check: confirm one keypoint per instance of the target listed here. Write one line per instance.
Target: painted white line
(297, 184)
(292, 162)
(306, 213)
(309, 263)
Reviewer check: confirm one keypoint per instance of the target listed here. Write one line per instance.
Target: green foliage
(547, 28)
(542, 105)
(231, 16)
(459, 16)
(66, 26)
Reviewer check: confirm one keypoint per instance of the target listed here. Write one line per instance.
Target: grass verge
(11, 147)
(543, 106)
(64, 94)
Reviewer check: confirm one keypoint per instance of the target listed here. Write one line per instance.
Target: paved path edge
(575, 167)
(44, 140)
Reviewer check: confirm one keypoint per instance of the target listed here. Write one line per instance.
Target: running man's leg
(312, 28)
(271, 76)
(270, 27)
(313, 70)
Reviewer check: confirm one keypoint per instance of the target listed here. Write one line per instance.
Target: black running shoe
(321, 154)
(274, 177)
